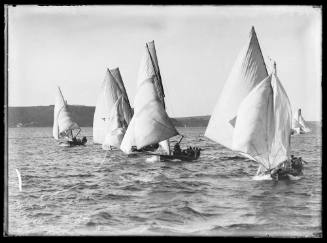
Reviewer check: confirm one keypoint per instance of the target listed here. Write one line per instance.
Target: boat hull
(178, 157)
(71, 144)
(281, 176)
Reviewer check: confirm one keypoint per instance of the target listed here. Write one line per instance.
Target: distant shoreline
(42, 116)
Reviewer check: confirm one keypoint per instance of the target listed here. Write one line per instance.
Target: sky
(72, 46)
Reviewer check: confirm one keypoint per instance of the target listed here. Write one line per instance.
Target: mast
(158, 83)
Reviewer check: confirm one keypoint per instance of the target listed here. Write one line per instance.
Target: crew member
(177, 149)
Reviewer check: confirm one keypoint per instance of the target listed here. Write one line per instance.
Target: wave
(112, 196)
(189, 210)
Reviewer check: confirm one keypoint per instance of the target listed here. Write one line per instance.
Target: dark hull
(71, 144)
(178, 157)
(288, 176)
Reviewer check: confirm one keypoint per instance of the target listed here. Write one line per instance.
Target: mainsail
(62, 122)
(115, 126)
(263, 124)
(112, 87)
(150, 123)
(299, 124)
(248, 71)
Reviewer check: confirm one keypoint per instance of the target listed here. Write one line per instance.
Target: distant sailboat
(111, 89)
(150, 124)
(253, 114)
(63, 123)
(298, 124)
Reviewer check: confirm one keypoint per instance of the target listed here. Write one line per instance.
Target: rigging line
(104, 157)
(62, 95)
(268, 123)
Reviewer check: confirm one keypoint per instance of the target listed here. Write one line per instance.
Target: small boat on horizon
(299, 125)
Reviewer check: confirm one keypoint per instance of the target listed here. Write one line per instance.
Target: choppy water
(79, 191)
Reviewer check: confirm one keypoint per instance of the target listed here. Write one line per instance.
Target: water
(84, 191)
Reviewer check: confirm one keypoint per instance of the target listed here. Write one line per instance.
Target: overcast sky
(196, 47)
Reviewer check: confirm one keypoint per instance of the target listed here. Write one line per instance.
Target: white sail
(248, 70)
(299, 124)
(109, 94)
(263, 124)
(59, 103)
(115, 128)
(164, 147)
(296, 126)
(150, 123)
(302, 122)
(63, 121)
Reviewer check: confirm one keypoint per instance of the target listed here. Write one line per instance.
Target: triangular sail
(63, 121)
(110, 91)
(59, 104)
(263, 124)
(248, 70)
(299, 124)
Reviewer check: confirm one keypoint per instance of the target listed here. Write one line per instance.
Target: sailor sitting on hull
(293, 166)
(190, 152)
(76, 141)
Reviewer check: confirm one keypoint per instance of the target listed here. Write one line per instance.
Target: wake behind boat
(253, 115)
(150, 127)
(63, 124)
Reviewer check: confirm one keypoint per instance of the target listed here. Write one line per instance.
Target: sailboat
(253, 115)
(111, 89)
(298, 124)
(64, 126)
(150, 124)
